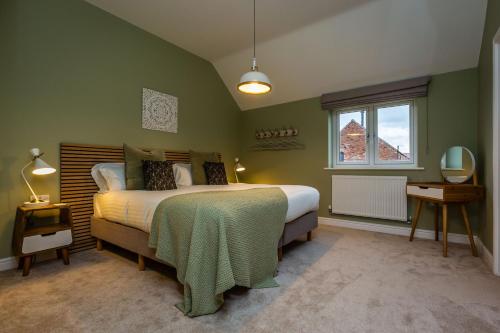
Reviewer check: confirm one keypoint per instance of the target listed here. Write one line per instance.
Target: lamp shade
(254, 82)
(41, 167)
(239, 168)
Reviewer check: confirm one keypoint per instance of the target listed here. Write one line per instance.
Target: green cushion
(197, 169)
(134, 177)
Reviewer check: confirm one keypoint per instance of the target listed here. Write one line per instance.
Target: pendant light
(254, 82)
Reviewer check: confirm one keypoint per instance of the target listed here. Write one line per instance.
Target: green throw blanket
(217, 240)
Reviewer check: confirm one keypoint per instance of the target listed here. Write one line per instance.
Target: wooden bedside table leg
(26, 265)
(445, 230)
(415, 221)
(65, 255)
(309, 236)
(469, 231)
(436, 223)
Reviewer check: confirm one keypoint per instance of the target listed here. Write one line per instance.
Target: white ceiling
(312, 47)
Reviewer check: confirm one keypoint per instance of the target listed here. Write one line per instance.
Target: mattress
(136, 208)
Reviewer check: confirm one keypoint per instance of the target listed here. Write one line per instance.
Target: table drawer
(37, 243)
(425, 192)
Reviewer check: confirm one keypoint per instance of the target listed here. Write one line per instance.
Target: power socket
(41, 197)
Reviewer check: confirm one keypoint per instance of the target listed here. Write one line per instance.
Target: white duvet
(136, 208)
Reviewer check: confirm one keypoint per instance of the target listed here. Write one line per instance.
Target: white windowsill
(409, 168)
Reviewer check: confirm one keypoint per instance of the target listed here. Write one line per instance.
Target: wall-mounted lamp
(238, 167)
(40, 168)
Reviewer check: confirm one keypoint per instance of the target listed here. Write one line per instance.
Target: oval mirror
(457, 165)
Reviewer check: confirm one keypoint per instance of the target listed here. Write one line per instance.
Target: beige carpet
(342, 281)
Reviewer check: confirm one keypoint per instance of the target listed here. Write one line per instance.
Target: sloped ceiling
(312, 47)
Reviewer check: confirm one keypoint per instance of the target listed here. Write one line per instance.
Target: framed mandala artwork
(159, 111)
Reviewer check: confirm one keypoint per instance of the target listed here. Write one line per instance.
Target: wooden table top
(49, 206)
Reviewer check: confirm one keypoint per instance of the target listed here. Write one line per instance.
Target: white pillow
(115, 177)
(99, 178)
(182, 174)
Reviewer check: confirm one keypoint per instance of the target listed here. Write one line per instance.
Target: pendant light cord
(254, 28)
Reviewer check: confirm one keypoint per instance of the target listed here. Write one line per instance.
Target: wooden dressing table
(443, 195)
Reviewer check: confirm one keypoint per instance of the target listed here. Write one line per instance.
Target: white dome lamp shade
(254, 82)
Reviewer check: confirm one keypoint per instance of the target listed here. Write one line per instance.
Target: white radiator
(372, 196)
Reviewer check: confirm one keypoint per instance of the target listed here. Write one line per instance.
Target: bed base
(136, 240)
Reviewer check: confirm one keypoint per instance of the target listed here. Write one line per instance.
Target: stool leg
(445, 230)
(469, 230)
(26, 265)
(415, 221)
(436, 223)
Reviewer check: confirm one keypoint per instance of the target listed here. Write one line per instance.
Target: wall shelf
(276, 144)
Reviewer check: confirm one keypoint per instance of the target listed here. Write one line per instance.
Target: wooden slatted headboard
(77, 187)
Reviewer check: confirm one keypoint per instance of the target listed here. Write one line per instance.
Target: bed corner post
(99, 244)
(140, 262)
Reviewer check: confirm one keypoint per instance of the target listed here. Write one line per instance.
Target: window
(374, 136)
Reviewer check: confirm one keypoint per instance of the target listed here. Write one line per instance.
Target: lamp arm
(236, 174)
(27, 183)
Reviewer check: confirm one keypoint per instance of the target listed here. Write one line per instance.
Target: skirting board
(8, 263)
(484, 253)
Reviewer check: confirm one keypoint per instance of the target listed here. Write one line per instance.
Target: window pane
(393, 128)
(353, 146)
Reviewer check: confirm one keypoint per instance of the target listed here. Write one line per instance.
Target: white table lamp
(238, 168)
(40, 168)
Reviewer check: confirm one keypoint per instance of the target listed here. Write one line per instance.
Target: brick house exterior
(353, 145)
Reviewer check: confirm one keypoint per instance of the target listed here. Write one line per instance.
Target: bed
(98, 218)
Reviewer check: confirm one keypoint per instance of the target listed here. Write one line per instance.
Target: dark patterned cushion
(158, 175)
(216, 173)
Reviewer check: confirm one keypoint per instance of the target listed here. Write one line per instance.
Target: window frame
(372, 161)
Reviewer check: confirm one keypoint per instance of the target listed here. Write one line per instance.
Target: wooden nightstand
(32, 235)
(444, 195)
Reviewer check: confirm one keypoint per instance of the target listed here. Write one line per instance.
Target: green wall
(452, 103)
(70, 72)
(485, 119)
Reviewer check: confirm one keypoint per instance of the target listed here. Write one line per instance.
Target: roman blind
(392, 91)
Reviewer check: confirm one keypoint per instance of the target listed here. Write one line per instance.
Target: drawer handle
(424, 187)
(49, 234)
